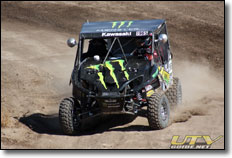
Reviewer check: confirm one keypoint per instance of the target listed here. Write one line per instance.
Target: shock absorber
(139, 97)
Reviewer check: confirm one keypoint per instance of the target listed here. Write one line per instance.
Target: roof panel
(121, 26)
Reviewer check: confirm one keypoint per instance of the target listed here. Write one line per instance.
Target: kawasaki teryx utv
(128, 66)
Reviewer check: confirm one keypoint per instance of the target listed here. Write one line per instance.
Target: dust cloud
(202, 87)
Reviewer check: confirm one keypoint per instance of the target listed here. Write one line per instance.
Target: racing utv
(120, 68)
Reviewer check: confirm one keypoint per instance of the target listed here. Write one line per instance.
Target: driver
(143, 46)
(96, 47)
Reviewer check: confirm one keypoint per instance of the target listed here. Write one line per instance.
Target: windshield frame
(81, 45)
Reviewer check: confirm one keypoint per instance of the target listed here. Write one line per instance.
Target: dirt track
(36, 65)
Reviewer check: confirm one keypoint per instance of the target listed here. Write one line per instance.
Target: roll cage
(153, 29)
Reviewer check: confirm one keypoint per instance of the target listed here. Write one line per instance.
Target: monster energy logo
(101, 78)
(110, 67)
(114, 24)
(122, 68)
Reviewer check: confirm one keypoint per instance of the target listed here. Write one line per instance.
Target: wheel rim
(164, 111)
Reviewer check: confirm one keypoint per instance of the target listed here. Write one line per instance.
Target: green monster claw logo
(101, 78)
(111, 68)
(122, 68)
(114, 24)
(121, 24)
(129, 24)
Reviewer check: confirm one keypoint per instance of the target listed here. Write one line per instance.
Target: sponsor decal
(141, 33)
(193, 142)
(149, 93)
(121, 24)
(122, 68)
(101, 78)
(164, 74)
(112, 34)
(110, 67)
(112, 74)
(110, 101)
(148, 87)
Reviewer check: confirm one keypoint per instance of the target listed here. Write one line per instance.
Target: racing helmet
(143, 42)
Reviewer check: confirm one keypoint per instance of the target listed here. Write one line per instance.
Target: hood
(113, 74)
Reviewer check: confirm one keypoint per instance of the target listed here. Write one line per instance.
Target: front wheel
(68, 116)
(158, 111)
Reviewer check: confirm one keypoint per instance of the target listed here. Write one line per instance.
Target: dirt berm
(36, 66)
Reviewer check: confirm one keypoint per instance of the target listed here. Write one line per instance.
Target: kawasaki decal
(109, 34)
(111, 69)
(101, 78)
(114, 24)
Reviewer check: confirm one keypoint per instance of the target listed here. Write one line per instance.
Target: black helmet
(144, 42)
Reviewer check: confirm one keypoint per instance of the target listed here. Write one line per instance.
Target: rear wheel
(158, 111)
(174, 92)
(68, 118)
